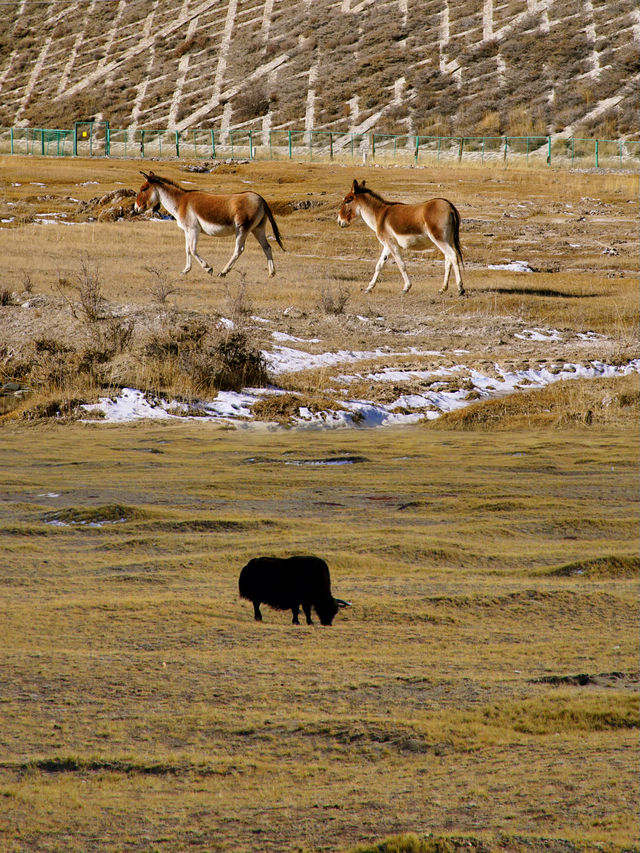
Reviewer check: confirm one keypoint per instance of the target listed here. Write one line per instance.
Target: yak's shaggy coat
(288, 584)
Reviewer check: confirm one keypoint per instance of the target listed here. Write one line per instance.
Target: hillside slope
(433, 67)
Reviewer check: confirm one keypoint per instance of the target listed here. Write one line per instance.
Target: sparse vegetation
(452, 84)
(486, 673)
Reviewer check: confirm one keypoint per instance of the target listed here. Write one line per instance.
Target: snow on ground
(512, 266)
(470, 385)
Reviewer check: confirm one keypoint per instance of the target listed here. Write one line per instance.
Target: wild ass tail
(276, 232)
(456, 232)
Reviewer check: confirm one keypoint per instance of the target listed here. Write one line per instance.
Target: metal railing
(89, 139)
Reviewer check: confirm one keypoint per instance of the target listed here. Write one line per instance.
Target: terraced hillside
(431, 67)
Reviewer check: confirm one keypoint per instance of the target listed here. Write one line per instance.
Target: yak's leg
(307, 613)
(381, 262)
(261, 236)
(192, 235)
(241, 237)
(397, 257)
(256, 611)
(295, 610)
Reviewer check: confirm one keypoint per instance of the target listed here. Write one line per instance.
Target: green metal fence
(89, 139)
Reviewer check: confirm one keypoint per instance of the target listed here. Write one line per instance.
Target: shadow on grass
(537, 291)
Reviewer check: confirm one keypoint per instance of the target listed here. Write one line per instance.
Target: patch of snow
(236, 407)
(513, 266)
(539, 335)
(287, 360)
(282, 336)
(131, 405)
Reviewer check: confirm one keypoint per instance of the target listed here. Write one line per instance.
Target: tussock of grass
(92, 515)
(600, 567)
(597, 712)
(283, 408)
(502, 843)
(572, 403)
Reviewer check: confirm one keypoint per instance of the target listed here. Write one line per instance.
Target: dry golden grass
(483, 685)
(144, 709)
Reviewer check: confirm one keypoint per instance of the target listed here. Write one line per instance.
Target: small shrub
(161, 288)
(87, 286)
(333, 301)
(238, 364)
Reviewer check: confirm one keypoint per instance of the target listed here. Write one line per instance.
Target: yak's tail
(276, 232)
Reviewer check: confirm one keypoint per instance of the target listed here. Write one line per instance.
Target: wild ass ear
(145, 176)
(354, 186)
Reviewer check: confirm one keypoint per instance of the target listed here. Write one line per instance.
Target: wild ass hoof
(221, 274)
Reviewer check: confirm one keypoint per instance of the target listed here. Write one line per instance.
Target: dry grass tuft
(592, 403)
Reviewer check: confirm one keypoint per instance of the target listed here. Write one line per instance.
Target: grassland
(483, 683)
(483, 686)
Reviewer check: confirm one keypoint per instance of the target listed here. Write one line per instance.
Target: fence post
(330, 145)
(250, 145)
(417, 148)
(213, 143)
(460, 149)
(290, 153)
(597, 161)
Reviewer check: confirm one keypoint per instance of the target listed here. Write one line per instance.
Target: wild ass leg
(261, 236)
(451, 260)
(381, 262)
(241, 237)
(191, 236)
(397, 257)
(447, 273)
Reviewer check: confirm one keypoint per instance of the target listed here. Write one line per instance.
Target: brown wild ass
(239, 214)
(406, 226)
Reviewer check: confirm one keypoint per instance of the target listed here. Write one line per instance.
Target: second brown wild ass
(238, 214)
(406, 226)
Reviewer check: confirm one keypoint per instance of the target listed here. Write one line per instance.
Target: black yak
(290, 583)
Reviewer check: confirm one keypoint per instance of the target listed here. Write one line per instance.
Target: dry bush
(192, 360)
(333, 300)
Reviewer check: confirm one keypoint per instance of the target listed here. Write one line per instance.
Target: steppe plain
(481, 692)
